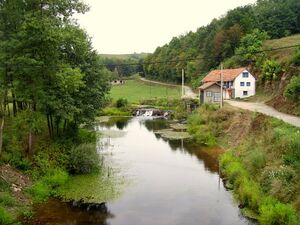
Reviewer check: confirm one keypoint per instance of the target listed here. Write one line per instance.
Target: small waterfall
(144, 112)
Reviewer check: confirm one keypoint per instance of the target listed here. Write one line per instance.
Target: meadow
(136, 90)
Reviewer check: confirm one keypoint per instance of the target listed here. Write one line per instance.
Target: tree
(48, 64)
(251, 46)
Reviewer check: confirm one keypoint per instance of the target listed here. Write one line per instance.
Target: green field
(135, 90)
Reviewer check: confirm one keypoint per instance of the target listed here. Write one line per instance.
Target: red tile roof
(207, 85)
(228, 75)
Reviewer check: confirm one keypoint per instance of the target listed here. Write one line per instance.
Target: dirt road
(188, 92)
(267, 110)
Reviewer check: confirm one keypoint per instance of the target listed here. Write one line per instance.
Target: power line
(188, 59)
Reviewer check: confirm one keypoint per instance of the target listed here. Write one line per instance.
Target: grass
(135, 91)
(283, 55)
(262, 164)
(260, 96)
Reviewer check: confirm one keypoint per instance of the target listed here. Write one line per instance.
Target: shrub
(6, 199)
(56, 177)
(5, 218)
(271, 70)
(17, 160)
(256, 160)
(276, 213)
(210, 107)
(249, 194)
(180, 112)
(84, 159)
(121, 103)
(86, 136)
(203, 135)
(297, 57)
(292, 90)
(40, 191)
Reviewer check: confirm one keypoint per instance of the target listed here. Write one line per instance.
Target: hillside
(282, 55)
(223, 38)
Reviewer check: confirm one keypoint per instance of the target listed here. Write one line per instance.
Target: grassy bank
(136, 90)
(32, 177)
(262, 164)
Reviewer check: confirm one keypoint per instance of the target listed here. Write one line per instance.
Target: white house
(237, 83)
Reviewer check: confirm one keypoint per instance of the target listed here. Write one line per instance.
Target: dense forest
(239, 33)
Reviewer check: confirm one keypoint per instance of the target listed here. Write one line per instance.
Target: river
(171, 183)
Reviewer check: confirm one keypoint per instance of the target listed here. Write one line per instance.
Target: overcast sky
(127, 26)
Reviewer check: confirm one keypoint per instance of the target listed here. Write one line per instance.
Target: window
(248, 84)
(245, 93)
(208, 94)
(217, 97)
(245, 74)
(242, 84)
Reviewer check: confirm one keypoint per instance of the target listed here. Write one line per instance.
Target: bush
(5, 218)
(203, 135)
(297, 57)
(40, 191)
(271, 70)
(56, 177)
(17, 160)
(276, 213)
(292, 90)
(6, 199)
(84, 159)
(121, 103)
(249, 194)
(86, 136)
(44, 188)
(255, 160)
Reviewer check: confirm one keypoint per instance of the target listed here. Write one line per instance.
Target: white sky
(127, 26)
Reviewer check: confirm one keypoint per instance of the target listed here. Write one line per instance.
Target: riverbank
(30, 178)
(262, 163)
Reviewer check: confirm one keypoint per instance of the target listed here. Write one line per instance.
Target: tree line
(122, 66)
(222, 39)
(48, 68)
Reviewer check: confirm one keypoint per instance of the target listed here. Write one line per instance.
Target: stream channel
(170, 182)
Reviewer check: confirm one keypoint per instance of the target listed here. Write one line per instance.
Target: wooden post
(221, 100)
(182, 83)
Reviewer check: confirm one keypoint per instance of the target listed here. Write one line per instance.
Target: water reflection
(207, 155)
(62, 213)
(120, 122)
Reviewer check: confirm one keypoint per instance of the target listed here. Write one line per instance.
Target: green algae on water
(172, 135)
(92, 188)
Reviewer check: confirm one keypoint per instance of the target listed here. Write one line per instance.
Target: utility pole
(182, 81)
(221, 102)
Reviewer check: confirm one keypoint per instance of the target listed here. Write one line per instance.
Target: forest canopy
(220, 40)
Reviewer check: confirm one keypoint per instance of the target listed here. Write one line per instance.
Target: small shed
(210, 92)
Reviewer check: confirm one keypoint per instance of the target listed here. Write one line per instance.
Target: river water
(171, 183)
